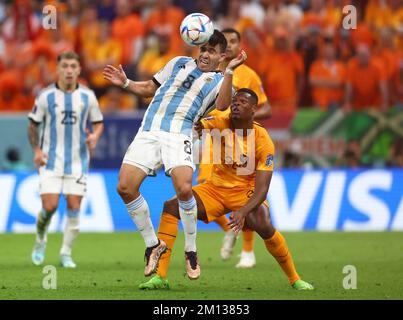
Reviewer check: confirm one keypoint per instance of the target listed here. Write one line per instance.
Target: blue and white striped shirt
(185, 94)
(64, 117)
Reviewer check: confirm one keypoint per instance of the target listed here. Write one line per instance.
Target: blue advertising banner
(119, 132)
(351, 200)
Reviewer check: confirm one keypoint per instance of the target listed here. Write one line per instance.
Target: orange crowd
(302, 49)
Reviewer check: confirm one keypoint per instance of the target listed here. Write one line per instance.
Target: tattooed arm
(39, 156)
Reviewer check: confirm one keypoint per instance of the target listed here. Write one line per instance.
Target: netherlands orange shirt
(334, 72)
(240, 171)
(245, 77)
(126, 30)
(281, 70)
(365, 82)
(167, 21)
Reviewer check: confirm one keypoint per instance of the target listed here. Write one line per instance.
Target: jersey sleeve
(163, 74)
(210, 100)
(38, 111)
(209, 122)
(265, 154)
(257, 86)
(95, 114)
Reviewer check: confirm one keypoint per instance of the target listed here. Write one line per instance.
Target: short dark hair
(252, 94)
(218, 38)
(68, 55)
(232, 30)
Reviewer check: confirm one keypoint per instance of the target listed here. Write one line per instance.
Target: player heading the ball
(183, 91)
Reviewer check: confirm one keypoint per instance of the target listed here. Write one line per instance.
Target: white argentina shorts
(52, 182)
(150, 150)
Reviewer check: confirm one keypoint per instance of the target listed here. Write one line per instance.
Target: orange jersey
(365, 82)
(281, 70)
(245, 77)
(336, 72)
(239, 171)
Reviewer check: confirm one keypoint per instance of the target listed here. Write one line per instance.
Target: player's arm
(144, 89)
(206, 123)
(35, 117)
(96, 118)
(264, 109)
(262, 183)
(225, 94)
(263, 112)
(93, 137)
(33, 135)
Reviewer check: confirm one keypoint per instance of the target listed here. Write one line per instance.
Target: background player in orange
(227, 190)
(327, 79)
(366, 82)
(244, 77)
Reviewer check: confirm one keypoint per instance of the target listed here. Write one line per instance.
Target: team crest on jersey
(209, 79)
(269, 160)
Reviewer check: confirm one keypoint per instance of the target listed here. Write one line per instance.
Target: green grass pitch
(110, 266)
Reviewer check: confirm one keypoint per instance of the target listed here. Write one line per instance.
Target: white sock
(140, 213)
(70, 232)
(42, 224)
(188, 214)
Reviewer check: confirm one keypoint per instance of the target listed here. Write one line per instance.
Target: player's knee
(184, 191)
(50, 207)
(124, 190)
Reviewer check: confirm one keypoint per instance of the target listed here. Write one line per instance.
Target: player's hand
(236, 62)
(40, 158)
(237, 220)
(91, 140)
(114, 75)
(198, 126)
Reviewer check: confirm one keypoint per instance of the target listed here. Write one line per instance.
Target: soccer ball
(196, 29)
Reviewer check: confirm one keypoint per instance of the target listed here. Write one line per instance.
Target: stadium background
(338, 160)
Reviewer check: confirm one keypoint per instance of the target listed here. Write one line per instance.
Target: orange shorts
(220, 201)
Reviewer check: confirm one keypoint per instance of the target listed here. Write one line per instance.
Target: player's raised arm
(225, 94)
(117, 76)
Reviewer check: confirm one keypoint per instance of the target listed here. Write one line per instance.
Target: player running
(62, 153)
(184, 90)
(244, 77)
(226, 191)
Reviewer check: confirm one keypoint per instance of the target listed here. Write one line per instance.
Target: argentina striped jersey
(184, 95)
(64, 117)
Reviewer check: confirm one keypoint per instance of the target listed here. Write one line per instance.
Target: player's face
(233, 45)
(68, 71)
(242, 107)
(210, 57)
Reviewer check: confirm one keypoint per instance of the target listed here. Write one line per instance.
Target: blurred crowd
(299, 48)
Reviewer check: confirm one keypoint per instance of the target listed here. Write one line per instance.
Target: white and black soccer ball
(196, 29)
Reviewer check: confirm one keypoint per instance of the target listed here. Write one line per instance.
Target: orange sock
(167, 231)
(277, 246)
(248, 239)
(223, 223)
